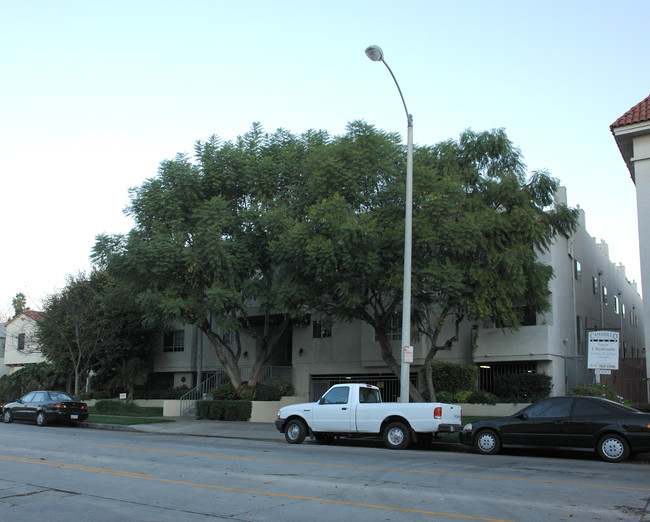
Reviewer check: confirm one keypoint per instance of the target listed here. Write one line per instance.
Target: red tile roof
(32, 314)
(637, 114)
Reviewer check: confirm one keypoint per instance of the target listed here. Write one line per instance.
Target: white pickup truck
(356, 409)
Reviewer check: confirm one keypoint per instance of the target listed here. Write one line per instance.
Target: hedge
(522, 387)
(224, 410)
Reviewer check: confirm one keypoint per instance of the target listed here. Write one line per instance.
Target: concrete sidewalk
(201, 428)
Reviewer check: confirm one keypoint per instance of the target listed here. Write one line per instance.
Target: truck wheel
(295, 431)
(396, 436)
(487, 442)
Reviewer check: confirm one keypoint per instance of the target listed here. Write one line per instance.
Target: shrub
(454, 378)
(441, 396)
(265, 392)
(203, 409)
(482, 397)
(246, 393)
(225, 410)
(522, 387)
(109, 407)
(226, 392)
(595, 390)
(285, 387)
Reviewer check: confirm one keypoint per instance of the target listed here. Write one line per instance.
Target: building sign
(408, 354)
(603, 350)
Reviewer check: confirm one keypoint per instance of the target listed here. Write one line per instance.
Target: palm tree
(133, 372)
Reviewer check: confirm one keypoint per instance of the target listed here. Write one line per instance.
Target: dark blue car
(46, 406)
(612, 430)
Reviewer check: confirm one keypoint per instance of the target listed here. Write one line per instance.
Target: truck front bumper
(279, 424)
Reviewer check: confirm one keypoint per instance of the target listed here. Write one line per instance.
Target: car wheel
(613, 448)
(487, 442)
(8, 417)
(396, 436)
(40, 419)
(295, 431)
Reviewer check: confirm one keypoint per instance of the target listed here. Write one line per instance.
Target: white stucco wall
(22, 324)
(641, 161)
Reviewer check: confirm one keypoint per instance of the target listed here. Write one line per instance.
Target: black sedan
(46, 406)
(612, 430)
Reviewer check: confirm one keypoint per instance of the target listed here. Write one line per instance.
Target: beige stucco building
(588, 292)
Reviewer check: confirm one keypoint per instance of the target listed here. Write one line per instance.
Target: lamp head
(375, 53)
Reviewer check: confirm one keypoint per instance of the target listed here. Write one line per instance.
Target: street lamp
(375, 53)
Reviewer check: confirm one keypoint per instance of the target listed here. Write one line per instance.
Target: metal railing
(203, 389)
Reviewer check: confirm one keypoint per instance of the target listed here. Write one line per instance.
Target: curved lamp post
(375, 53)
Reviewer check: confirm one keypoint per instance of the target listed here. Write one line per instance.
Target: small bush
(225, 392)
(265, 392)
(443, 396)
(226, 410)
(246, 392)
(108, 407)
(595, 390)
(285, 387)
(454, 377)
(203, 409)
(482, 397)
(522, 387)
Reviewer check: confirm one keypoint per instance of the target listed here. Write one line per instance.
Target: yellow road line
(349, 466)
(241, 490)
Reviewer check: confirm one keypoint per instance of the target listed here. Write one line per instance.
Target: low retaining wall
(267, 411)
(502, 409)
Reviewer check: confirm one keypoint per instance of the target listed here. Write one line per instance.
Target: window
(579, 334)
(21, 341)
(560, 407)
(336, 396)
(604, 294)
(320, 330)
(369, 395)
(616, 305)
(623, 310)
(577, 270)
(594, 285)
(590, 408)
(395, 327)
(174, 341)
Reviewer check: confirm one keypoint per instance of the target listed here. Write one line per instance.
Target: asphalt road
(59, 473)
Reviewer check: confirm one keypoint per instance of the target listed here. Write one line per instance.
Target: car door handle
(344, 408)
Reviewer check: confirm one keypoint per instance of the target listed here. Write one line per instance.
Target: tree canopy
(91, 324)
(279, 224)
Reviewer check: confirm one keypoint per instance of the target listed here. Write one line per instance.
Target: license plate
(74, 416)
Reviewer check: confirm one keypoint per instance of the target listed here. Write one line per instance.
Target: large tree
(478, 225)
(199, 251)
(91, 324)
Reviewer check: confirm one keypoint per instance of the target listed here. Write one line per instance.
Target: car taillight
(59, 406)
(84, 406)
(437, 412)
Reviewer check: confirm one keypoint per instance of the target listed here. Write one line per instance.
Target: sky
(94, 95)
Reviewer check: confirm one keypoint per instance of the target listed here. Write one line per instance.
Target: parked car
(612, 430)
(46, 406)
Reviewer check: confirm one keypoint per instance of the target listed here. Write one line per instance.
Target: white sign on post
(603, 350)
(408, 354)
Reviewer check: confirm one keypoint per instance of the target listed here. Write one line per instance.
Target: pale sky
(94, 95)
